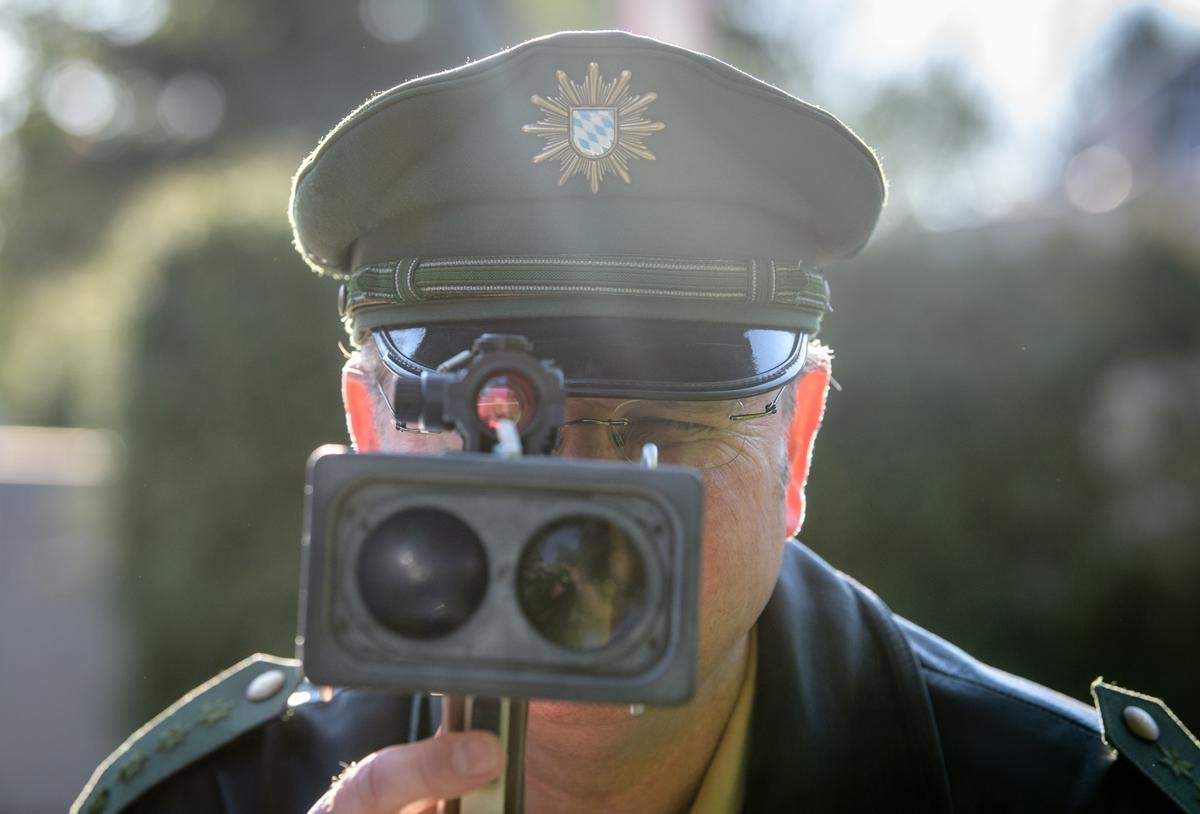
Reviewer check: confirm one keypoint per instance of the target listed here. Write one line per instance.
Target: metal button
(1140, 723)
(264, 685)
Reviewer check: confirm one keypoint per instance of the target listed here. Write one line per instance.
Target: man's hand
(415, 776)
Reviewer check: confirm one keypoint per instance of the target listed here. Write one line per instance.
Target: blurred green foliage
(80, 314)
(1015, 458)
(194, 331)
(234, 382)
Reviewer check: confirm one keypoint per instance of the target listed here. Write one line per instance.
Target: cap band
(781, 294)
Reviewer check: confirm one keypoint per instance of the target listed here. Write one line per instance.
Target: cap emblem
(594, 129)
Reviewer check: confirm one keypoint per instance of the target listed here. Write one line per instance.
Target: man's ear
(358, 398)
(811, 392)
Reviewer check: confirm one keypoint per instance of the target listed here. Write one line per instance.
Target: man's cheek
(745, 495)
(413, 443)
(733, 531)
(744, 523)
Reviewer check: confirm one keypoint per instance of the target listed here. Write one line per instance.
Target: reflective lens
(422, 573)
(505, 396)
(581, 583)
(623, 358)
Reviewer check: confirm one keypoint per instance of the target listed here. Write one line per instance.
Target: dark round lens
(504, 396)
(581, 583)
(422, 573)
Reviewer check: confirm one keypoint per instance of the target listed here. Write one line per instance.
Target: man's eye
(664, 431)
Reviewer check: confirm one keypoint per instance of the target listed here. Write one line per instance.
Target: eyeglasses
(703, 435)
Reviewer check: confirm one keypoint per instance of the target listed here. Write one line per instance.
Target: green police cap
(653, 218)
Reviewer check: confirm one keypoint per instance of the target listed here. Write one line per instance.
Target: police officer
(657, 222)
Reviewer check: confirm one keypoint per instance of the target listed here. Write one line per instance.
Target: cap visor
(623, 358)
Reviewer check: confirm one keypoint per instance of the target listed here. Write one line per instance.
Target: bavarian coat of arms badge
(594, 129)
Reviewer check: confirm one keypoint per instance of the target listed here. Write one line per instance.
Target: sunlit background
(1013, 460)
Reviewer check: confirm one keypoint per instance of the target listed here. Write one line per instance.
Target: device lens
(505, 396)
(422, 573)
(581, 583)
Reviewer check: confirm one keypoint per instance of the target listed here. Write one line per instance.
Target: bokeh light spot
(191, 106)
(14, 64)
(124, 22)
(1098, 179)
(80, 98)
(394, 20)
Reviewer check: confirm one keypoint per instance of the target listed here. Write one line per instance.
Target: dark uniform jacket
(855, 709)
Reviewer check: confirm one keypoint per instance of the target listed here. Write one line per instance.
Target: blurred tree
(109, 94)
(234, 382)
(81, 313)
(926, 124)
(770, 40)
(196, 333)
(1020, 421)
(1136, 128)
(1135, 54)
(925, 128)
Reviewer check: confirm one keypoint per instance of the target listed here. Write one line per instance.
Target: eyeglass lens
(697, 441)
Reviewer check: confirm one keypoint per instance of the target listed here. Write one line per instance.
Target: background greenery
(1013, 461)
(1015, 457)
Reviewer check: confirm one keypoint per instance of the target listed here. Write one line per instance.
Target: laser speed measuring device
(478, 573)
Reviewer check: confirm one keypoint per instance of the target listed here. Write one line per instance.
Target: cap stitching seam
(504, 260)
(527, 289)
(405, 291)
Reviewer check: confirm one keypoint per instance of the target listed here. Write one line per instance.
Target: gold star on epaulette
(171, 738)
(1175, 762)
(98, 802)
(132, 767)
(213, 712)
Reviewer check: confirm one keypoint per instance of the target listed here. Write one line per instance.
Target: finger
(439, 768)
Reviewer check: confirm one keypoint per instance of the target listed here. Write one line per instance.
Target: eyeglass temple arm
(770, 409)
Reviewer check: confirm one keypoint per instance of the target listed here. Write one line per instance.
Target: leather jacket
(855, 709)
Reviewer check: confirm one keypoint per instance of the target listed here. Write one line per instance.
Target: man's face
(744, 523)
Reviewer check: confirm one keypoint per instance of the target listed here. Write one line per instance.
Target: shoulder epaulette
(1144, 731)
(246, 695)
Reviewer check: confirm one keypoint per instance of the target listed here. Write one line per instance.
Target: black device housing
(497, 651)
